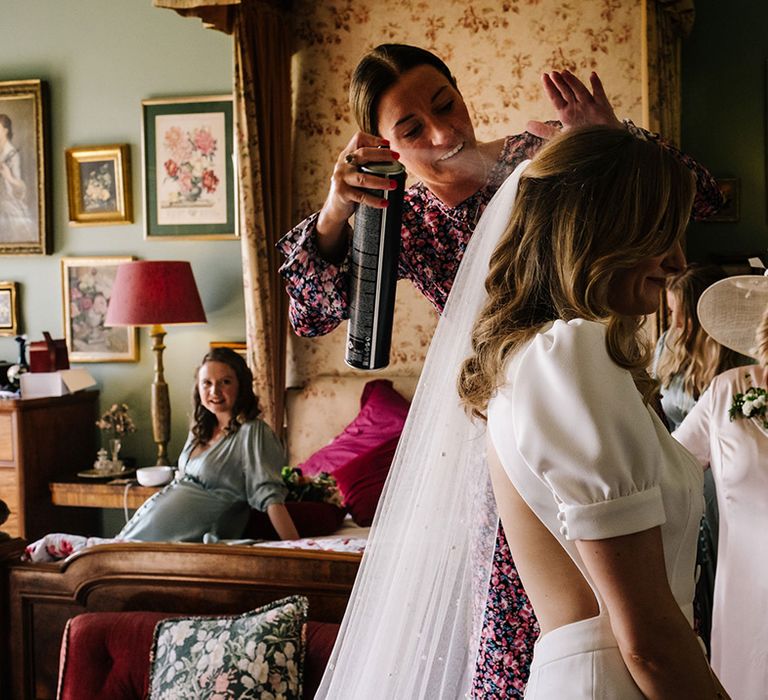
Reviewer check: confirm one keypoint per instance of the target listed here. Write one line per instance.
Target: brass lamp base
(160, 406)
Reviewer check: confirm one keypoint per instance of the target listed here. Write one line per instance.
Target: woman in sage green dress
(230, 463)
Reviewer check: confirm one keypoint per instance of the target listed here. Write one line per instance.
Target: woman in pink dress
(727, 431)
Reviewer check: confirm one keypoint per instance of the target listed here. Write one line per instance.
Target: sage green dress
(215, 490)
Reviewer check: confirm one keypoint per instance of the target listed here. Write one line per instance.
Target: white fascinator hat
(731, 310)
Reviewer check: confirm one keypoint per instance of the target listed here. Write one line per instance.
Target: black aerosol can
(373, 273)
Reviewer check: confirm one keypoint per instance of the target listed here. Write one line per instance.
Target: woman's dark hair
(246, 406)
(378, 70)
(5, 120)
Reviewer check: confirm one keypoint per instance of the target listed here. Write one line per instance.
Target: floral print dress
(434, 238)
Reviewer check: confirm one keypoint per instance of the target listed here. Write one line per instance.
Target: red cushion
(105, 655)
(361, 480)
(312, 519)
(381, 418)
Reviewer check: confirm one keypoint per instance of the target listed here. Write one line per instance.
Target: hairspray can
(373, 273)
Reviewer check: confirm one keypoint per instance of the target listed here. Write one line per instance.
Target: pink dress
(737, 452)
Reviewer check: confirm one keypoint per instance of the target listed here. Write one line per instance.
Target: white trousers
(580, 661)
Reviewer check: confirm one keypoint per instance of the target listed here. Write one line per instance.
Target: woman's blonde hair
(688, 349)
(592, 202)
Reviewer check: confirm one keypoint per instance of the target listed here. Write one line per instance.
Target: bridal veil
(413, 622)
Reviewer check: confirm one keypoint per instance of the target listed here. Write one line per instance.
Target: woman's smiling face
(218, 387)
(426, 121)
(636, 291)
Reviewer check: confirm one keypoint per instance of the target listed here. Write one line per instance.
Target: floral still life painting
(98, 185)
(99, 179)
(87, 288)
(190, 177)
(188, 167)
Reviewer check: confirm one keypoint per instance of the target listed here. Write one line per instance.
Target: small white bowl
(154, 476)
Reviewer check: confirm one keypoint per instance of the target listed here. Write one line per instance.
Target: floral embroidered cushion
(259, 654)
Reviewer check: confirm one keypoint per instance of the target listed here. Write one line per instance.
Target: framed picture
(9, 308)
(731, 190)
(86, 287)
(23, 197)
(99, 185)
(189, 174)
(239, 346)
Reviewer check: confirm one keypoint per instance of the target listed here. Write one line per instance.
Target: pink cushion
(311, 518)
(381, 418)
(361, 455)
(361, 480)
(105, 655)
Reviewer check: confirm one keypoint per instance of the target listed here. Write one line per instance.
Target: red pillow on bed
(381, 418)
(361, 480)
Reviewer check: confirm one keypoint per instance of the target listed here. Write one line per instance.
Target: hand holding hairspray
(373, 273)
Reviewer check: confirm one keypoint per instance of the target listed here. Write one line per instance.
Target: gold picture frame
(99, 185)
(24, 221)
(86, 287)
(9, 308)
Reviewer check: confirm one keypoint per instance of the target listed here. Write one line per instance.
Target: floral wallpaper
(497, 49)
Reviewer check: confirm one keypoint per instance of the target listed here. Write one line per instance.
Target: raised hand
(574, 103)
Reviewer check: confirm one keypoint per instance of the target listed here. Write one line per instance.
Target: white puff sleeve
(581, 425)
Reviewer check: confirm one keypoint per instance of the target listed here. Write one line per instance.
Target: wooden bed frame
(177, 578)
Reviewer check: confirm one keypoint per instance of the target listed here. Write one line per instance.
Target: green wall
(100, 59)
(723, 118)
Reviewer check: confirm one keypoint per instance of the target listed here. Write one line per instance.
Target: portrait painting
(98, 185)
(23, 221)
(86, 290)
(189, 177)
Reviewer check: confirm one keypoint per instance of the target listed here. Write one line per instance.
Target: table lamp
(155, 293)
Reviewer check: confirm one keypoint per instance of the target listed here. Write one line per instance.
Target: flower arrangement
(753, 403)
(320, 488)
(89, 292)
(118, 420)
(191, 163)
(99, 189)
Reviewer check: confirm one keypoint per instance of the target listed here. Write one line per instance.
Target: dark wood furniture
(176, 578)
(95, 494)
(43, 440)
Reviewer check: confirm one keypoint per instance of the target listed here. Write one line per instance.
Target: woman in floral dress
(408, 108)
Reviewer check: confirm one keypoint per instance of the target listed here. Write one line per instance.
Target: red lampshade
(154, 292)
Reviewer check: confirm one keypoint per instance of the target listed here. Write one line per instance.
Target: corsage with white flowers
(752, 403)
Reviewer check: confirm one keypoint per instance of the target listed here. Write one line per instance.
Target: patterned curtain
(262, 87)
(667, 22)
